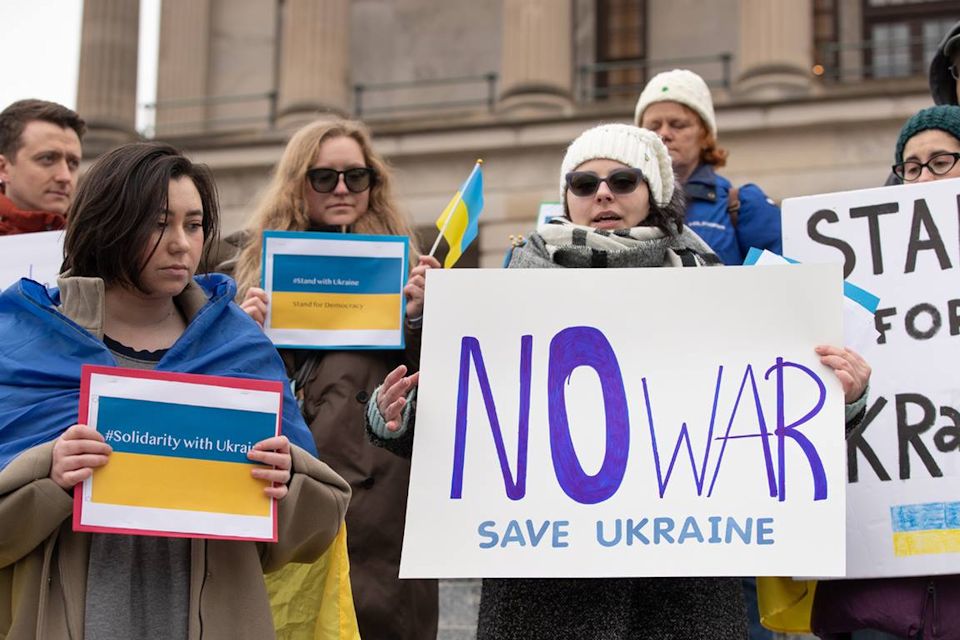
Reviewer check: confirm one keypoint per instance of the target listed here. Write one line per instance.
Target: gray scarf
(564, 244)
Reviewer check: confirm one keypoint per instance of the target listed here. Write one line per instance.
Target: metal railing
(408, 96)
(845, 62)
(627, 78)
(171, 125)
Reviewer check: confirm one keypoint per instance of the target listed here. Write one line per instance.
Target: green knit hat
(945, 117)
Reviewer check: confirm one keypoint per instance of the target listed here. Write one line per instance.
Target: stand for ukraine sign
(334, 291)
(179, 464)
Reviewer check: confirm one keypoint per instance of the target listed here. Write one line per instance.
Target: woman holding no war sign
(922, 607)
(331, 179)
(622, 210)
(137, 232)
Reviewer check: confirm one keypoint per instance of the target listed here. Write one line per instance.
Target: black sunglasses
(620, 182)
(939, 165)
(325, 180)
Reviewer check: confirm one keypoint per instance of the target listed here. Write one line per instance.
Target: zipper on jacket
(930, 597)
(203, 583)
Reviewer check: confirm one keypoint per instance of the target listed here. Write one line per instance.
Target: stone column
(313, 62)
(183, 67)
(536, 72)
(776, 48)
(107, 86)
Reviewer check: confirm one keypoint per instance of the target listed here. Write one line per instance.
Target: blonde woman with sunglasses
(331, 179)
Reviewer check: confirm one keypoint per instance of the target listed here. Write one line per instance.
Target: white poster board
(903, 244)
(606, 422)
(31, 255)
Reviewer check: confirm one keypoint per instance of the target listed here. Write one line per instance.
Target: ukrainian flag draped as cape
(458, 222)
(42, 351)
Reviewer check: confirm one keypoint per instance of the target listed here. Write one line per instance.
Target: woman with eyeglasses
(331, 179)
(621, 210)
(921, 607)
(677, 106)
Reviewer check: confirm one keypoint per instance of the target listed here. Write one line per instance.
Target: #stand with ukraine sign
(903, 244)
(681, 425)
(178, 467)
(334, 291)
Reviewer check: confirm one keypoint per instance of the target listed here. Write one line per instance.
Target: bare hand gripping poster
(622, 422)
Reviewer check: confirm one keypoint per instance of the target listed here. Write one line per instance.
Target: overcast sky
(41, 43)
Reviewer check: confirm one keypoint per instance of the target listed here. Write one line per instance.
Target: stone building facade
(810, 94)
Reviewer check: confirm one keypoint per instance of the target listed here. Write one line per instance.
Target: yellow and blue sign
(331, 290)
(200, 451)
(929, 528)
(179, 464)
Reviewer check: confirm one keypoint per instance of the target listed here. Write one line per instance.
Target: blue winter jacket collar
(702, 184)
(42, 352)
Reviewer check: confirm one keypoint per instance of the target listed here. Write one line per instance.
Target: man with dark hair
(945, 69)
(39, 161)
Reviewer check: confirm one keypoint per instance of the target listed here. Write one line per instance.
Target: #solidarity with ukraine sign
(628, 422)
(179, 464)
(334, 291)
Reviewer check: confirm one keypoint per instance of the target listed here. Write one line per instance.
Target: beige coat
(43, 563)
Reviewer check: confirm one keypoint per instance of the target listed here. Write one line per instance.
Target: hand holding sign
(851, 369)
(76, 453)
(274, 452)
(255, 305)
(414, 290)
(393, 395)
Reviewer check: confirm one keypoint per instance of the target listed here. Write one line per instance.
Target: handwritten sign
(903, 244)
(179, 464)
(627, 422)
(334, 291)
(31, 255)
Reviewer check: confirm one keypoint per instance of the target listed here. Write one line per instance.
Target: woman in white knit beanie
(677, 106)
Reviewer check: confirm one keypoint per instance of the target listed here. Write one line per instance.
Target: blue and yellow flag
(458, 222)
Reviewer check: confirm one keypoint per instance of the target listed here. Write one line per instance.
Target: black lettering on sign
(857, 443)
(911, 321)
(849, 257)
(908, 435)
(934, 242)
(872, 213)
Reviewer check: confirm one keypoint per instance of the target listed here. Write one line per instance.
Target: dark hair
(15, 118)
(668, 218)
(116, 207)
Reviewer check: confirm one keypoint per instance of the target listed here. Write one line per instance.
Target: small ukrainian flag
(458, 222)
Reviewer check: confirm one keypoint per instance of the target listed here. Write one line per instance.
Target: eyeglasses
(938, 165)
(585, 183)
(357, 180)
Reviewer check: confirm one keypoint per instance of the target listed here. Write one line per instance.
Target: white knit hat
(679, 85)
(633, 146)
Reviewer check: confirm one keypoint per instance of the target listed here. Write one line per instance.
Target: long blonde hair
(283, 206)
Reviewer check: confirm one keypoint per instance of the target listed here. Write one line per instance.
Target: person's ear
(4, 169)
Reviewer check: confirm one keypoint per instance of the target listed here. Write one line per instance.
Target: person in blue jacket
(136, 234)
(678, 107)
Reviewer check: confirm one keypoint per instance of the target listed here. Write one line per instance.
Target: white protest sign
(902, 243)
(627, 422)
(548, 211)
(31, 255)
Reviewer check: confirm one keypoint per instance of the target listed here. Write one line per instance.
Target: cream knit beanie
(633, 146)
(679, 85)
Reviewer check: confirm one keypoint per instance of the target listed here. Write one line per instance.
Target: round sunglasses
(621, 182)
(357, 179)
